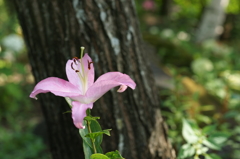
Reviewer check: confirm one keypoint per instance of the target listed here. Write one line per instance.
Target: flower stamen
(89, 63)
(72, 66)
(75, 59)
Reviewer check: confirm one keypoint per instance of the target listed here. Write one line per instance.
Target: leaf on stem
(87, 144)
(94, 135)
(114, 155)
(91, 118)
(99, 156)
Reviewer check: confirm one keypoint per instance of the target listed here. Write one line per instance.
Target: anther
(89, 63)
(72, 66)
(75, 59)
(76, 71)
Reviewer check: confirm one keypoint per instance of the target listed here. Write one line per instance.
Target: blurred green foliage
(21, 145)
(199, 142)
(18, 117)
(8, 20)
(233, 7)
(205, 78)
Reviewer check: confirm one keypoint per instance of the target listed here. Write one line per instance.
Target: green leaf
(91, 118)
(114, 155)
(212, 156)
(95, 127)
(204, 118)
(188, 132)
(87, 144)
(107, 132)
(219, 137)
(99, 148)
(209, 129)
(96, 134)
(99, 156)
(186, 151)
(83, 133)
(88, 151)
(202, 150)
(216, 140)
(211, 144)
(69, 101)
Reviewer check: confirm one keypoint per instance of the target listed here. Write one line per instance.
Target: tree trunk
(211, 25)
(166, 8)
(54, 31)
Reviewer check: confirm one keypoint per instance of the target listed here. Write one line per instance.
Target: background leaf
(188, 132)
(186, 151)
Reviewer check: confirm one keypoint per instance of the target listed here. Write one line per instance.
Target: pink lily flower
(81, 88)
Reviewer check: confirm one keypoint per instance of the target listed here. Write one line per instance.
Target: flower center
(78, 66)
(79, 69)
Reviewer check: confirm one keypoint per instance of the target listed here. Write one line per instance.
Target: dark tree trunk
(54, 31)
(166, 8)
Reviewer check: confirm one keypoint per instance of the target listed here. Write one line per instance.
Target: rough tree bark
(54, 30)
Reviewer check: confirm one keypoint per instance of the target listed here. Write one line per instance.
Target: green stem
(92, 140)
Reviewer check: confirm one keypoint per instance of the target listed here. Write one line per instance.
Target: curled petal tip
(32, 96)
(122, 88)
(134, 86)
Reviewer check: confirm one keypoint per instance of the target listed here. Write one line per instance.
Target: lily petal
(72, 76)
(57, 86)
(75, 65)
(106, 82)
(89, 69)
(118, 77)
(79, 113)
